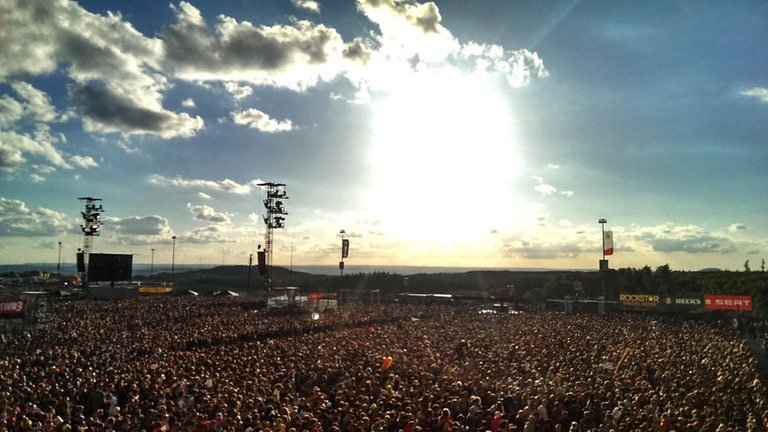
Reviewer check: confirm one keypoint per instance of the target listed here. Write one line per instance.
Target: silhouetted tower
(91, 227)
(274, 219)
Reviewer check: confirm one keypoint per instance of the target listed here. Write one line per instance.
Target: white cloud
(761, 93)
(226, 185)
(737, 227)
(143, 226)
(295, 56)
(11, 111)
(256, 119)
(668, 238)
(38, 104)
(545, 189)
(188, 103)
(140, 230)
(209, 234)
(119, 76)
(238, 91)
(84, 161)
(207, 213)
(113, 68)
(308, 5)
(410, 29)
(413, 38)
(38, 144)
(24, 131)
(17, 220)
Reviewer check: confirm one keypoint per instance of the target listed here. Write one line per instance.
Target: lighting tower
(274, 219)
(91, 227)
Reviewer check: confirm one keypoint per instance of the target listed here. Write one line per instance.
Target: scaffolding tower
(273, 219)
(91, 227)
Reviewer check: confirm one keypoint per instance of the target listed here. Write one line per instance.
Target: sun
(442, 158)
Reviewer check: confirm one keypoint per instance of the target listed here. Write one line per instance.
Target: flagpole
(602, 223)
(341, 263)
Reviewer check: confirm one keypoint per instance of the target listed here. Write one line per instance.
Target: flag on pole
(345, 248)
(608, 243)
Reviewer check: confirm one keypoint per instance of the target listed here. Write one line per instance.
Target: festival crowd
(221, 364)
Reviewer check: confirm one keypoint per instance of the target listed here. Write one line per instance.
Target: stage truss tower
(273, 219)
(91, 227)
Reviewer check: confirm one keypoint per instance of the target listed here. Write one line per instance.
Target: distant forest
(529, 286)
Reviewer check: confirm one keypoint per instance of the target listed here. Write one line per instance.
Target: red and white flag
(608, 243)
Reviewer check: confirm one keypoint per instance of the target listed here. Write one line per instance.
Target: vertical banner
(344, 248)
(608, 242)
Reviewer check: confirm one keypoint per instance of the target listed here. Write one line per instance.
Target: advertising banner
(12, 308)
(639, 300)
(728, 302)
(688, 302)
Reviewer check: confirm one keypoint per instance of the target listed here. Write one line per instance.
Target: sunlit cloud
(258, 120)
(226, 185)
(18, 220)
(295, 56)
(307, 5)
(238, 91)
(207, 213)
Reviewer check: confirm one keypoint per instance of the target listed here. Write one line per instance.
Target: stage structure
(91, 227)
(274, 219)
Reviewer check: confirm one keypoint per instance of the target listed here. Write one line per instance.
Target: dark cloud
(536, 251)
(189, 41)
(703, 243)
(193, 49)
(89, 57)
(357, 51)
(98, 103)
(141, 226)
(428, 18)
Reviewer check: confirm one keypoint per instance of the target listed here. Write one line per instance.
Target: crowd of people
(220, 364)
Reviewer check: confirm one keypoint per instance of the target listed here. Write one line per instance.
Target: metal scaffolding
(273, 219)
(91, 227)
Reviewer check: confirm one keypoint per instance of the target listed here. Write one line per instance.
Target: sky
(483, 134)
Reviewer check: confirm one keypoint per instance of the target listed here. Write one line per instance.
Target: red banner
(314, 296)
(728, 302)
(15, 307)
